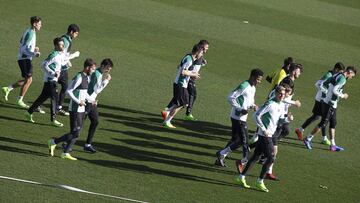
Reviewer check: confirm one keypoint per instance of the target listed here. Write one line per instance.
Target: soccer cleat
(242, 182)
(261, 186)
(168, 125)
(307, 143)
(68, 156)
(6, 92)
(271, 176)
(220, 161)
(39, 109)
(90, 149)
(29, 117)
(51, 146)
(62, 112)
(335, 148)
(326, 142)
(57, 123)
(299, 134)
(164, 114)
(239, 166)
(190, 117)
(20, 103)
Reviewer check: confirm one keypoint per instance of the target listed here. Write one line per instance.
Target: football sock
(10, 87)
(333, 142)
(310, 137)
(225, 151)
(270, 168)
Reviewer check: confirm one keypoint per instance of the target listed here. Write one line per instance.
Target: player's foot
(220, 161)
(242, 182)
(29, 117)
(22, 104)
(261, 186)
(271, 176)
(335, 148)
(190, 117)
(90, 149)
(39, 109)
(326, 142)
(6, 92)
(164, 114)
(52, 146)
(68, 156)
(239, 166)
(57, 123)
(307, 143)
(62, 112)
(299, 134)
(168, 125)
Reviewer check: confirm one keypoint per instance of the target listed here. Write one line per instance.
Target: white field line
(71, 189)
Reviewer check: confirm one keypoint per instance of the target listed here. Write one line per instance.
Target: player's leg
(93, 115)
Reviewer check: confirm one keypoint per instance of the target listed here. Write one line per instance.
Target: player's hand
(196, 75)
(297, 103)
(346, 96)
(76, 54)
(204, 62)
(57, 74)
(255, 107)
(266, 133)
(37, 54)
(244, 111)
(94, 103)
(82, 103)
(37, 49)
(290, 117)
(68, 64)
(108, 77)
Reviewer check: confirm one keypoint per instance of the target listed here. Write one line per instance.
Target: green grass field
(137, 159)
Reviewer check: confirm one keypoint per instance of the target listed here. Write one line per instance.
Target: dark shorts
(25, 67)
(317, 109)
(328, 116)
(181, 95)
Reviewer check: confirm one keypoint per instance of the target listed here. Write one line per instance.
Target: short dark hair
(196, 48)
(294, 66)
(279, 88)
(57, 40)
(256, 73)
(73, 28)
(89, 62)
(351, 68)
(203, 42)
(339, 66)
(34, 19)
(287, 61)
(106, 63)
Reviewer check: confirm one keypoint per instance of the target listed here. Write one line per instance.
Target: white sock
(59, 107)
(10, 87)
(301, 129)
(260, 180)
(20, 98)
(242, 177)
(87, 145)
(324, 138)
(168, 119)
(270, 169)
(333, 142)
(225, 151)
(310, 137)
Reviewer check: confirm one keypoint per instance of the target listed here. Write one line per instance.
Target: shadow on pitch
(22, 151)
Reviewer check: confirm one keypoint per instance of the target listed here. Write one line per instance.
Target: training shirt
(77, 91)
(335, 85)
(278, 78)
(198, 63)
(287, 102)
(27, 44)
(67, 47)
(96, 85)
(51, 65)
(320, 88)
(267, 116)
(242, 98)
(185, 64)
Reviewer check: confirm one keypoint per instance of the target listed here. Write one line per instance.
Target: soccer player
(78, 92)
(266, 118)
(181, 95)
(241, 99)
(317, 106)
(98, 81)
(72, 32)
(335, 86)
(51, 67)
(197, 64)
(277, 77)
(27, 51)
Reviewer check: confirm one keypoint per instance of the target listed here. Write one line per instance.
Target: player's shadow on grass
(143, 169)
(299, 145)
(22, 151)
(10, 106)
(138, 154)
(23, 121)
